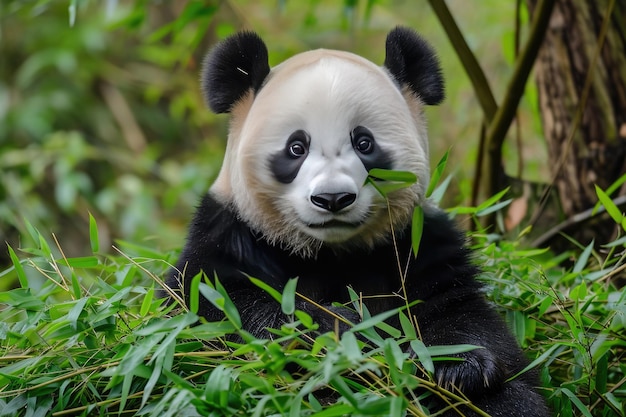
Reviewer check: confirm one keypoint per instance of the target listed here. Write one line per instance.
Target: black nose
(333, 201)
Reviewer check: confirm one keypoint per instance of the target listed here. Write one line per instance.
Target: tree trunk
(582, 94)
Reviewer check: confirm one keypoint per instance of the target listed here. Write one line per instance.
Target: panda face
(301, 148)
(324, 180)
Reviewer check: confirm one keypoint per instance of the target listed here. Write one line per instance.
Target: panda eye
(297, 150)
(364, 145)
(297, 144)
(362, 140)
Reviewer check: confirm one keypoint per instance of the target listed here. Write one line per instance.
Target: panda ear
(413, 62)
(233, 67)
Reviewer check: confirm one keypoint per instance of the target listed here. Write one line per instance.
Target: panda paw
(479, 372)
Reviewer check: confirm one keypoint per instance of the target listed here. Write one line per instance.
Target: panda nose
(333, 201)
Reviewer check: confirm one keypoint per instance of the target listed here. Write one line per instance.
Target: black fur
(240, 64)
(453, 310)
(284, 164)
(413, 63)
(232, 68)
(377, 157)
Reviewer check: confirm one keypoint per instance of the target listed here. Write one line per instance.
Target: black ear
(233, 67)
(412, 61)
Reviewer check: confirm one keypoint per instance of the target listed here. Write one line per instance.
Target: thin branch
(478, 167)
(123, 115)
(514, 92)
(577, 218)
(518, 125)
(468, 59)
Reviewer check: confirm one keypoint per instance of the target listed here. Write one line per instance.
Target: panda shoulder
(444, 241)
(216, 225)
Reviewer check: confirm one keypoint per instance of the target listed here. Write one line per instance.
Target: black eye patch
(286, 163)
(370, 154)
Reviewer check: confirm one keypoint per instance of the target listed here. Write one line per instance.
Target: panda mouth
(334, 224)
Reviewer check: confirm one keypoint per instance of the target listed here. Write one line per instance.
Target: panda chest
(327, 278)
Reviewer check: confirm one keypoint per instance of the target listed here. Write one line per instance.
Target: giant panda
(292, 200)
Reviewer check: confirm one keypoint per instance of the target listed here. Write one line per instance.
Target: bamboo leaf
(545, 355)
(19, 269)
(79, 262)
(463, 210)
(351, 347)
(387, 188)
(74, 313)
(374, 321)
(147, 301)
(438, 193)
(417, 227)
(76, 288)
(392, 175)
(265, 287)
(156, 374)
(602, 370)
(423, 354)
(227, 304)
(610, 206)
(288, 303)
(446, 350)
(335, 410)
(305, 318)
(93, 234)
(44, 247)
(493, 208)
(437, 173)
(194, 293)
(492, 200)
(576, 401)
(582, 260)
(407, 326)
(609, 191)
(386, 181)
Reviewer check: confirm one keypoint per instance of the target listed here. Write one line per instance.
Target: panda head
(304, 134)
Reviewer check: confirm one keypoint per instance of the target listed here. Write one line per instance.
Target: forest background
(106, 147)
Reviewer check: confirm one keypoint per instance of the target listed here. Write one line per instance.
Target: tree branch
(577, 218)
(514, 92)
(468, 59)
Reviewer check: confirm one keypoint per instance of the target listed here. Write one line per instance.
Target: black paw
(477, 372)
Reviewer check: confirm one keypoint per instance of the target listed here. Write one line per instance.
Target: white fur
(327, 94)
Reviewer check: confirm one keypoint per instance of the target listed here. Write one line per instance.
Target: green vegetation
(89, 336)
(105, 147)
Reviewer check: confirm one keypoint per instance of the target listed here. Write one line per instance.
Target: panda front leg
(476, 371)
(482, 375)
